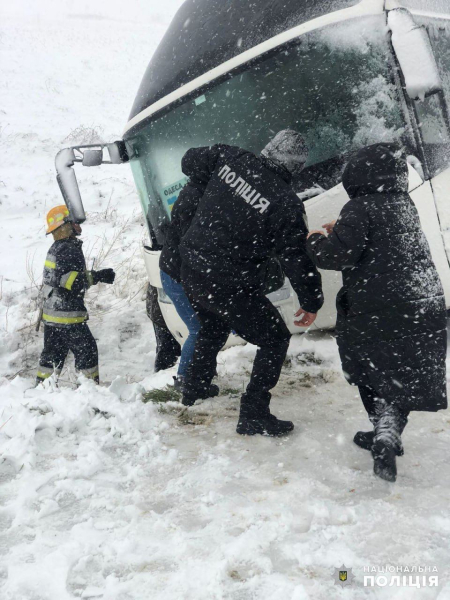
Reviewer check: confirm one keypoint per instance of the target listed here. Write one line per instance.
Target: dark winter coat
(183, 212)
(391, 321)
(65, 283)
(248, 214)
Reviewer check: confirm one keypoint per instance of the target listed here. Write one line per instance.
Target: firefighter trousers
(57, 343)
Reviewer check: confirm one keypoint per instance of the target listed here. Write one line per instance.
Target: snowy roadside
(143, 501)
(56, 90)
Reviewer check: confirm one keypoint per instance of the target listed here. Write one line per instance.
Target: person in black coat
(183, 212)
(247, 214)
(391, 324)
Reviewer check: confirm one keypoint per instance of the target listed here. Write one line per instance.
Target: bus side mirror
(415, 55)
(92, 158)
(88, 156)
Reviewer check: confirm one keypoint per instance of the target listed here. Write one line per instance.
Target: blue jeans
(187, 314)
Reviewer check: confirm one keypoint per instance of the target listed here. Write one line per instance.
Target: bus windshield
(334, 85)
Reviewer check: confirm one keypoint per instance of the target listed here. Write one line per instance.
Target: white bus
(344, 73)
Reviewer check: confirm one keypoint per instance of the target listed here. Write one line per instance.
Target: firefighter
(64, 314)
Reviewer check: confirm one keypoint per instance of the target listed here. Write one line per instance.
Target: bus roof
(433, 6)
(206, 33)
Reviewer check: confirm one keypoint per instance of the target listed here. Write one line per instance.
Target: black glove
(103, 276)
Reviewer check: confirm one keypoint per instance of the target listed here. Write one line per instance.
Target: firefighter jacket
(65, 283)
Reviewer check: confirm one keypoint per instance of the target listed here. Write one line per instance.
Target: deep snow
(145, 501)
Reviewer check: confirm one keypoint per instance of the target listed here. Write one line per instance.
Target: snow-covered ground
(147, 501)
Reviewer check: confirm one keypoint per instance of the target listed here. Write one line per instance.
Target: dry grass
(161, 396)
(84, 135)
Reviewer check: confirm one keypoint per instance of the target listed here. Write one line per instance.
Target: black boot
(268, 425)
(178, 384)
(212, 392)
(387, 442)
(364, 439)
(384, 464)
(255, 418)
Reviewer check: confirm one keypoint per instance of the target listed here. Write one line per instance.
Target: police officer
(247, 214)
(64, 312)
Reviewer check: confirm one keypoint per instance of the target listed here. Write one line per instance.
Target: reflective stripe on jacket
(65, 283)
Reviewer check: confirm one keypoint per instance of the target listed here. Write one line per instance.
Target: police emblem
(343, 576)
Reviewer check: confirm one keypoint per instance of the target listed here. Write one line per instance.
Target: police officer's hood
(377, 169)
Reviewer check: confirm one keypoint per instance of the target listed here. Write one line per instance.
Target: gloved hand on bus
(103, 276)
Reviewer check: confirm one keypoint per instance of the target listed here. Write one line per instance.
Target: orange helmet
(56, 217)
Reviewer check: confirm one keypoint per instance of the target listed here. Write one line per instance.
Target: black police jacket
(247, 214)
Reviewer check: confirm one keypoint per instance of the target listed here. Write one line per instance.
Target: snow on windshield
(377, 113)
(355, 34)
(378, 107)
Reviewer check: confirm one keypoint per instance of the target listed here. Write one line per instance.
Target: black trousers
(167, 348)
(57, 343)
(222, 309)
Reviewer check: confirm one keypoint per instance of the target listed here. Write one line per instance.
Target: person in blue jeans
(183, 212)
(187, 314)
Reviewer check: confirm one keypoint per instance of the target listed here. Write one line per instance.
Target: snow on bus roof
(433, 6)
(206, 33)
